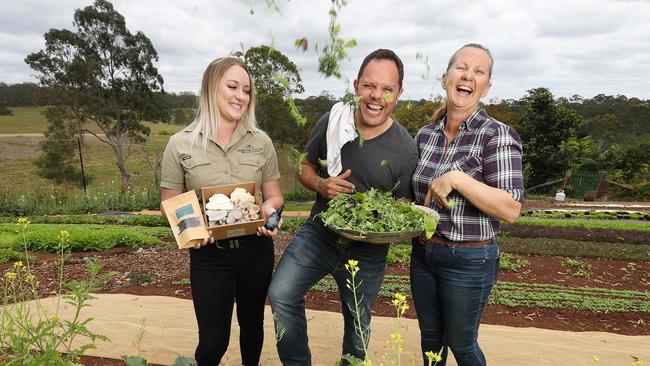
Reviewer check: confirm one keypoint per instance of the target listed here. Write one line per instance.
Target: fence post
(81, 161)
(602, 193)
(567, 178)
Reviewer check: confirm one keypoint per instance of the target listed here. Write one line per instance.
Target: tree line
(102, 73)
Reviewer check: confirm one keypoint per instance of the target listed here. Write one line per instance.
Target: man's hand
(333, 186)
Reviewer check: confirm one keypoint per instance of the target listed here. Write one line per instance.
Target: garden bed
(163, 270)
(555, 277)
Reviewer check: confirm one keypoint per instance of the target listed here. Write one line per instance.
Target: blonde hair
(442, 111)
(206, 121)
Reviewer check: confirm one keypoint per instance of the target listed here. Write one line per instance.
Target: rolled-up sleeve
(502, 164)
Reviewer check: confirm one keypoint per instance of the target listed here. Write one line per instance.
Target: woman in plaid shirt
(470, 171)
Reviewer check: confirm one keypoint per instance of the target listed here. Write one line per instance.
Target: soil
(164, 270)
(571, 233)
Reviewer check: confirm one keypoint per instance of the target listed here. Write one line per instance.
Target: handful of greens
(377, 212)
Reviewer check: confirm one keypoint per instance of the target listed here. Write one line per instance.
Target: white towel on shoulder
(340, 130)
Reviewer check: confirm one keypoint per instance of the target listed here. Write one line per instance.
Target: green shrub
(44, 238)
(293, 225)
(642, 191)
(510, 262)
(575, 248)
(131, 220)
(75, 201)
(7, 254)
(585, 224)
(587, 214)
(301, 194)
(399, 253)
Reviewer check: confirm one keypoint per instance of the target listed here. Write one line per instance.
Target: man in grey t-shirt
(384, 156)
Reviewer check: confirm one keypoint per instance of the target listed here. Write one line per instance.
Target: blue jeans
(450, 287)
(314, 253)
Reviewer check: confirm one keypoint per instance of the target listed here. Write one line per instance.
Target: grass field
(30, 120)
(19, 152)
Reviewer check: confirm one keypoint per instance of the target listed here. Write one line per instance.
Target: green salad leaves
(375, 211)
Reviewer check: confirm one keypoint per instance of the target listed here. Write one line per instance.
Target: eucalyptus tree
(101, 74)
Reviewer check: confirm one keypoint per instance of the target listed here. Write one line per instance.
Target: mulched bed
(572, 233)
(163, 269)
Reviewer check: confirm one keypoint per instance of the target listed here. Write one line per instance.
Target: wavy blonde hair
(207, 121)
(442, 111)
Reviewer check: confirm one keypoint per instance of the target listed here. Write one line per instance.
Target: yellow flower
(352, 266)
(30, 278)
(18, 264)
(596, 359)
(64, 235)
(10, 275)
(637, 362)
(398, 298)
(433, 357)
(23, 221)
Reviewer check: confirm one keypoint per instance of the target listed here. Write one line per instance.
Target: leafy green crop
(375, 211)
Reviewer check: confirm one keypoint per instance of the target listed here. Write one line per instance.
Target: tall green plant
(32, 335)
(400, 304)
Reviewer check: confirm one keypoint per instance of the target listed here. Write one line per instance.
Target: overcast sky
(584, 47)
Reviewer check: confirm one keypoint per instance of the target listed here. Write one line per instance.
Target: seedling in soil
(509, 262)
(576, 268)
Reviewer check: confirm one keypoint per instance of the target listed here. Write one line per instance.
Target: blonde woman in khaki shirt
(223, 145)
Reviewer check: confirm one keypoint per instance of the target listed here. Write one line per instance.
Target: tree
(57, 160)
(273, 72)
(313, 108)
(276, 78)
(546, 127)
(19, 95)
(4, 111)
(102, 74)
(414, 115)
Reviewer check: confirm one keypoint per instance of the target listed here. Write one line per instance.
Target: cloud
(584, 47)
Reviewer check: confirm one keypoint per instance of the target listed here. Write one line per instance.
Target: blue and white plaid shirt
(485, 149)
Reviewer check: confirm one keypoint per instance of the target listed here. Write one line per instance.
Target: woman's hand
(440, 188)
(206, 241)
(267, 211)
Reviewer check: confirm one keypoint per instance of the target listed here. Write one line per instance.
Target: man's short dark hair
(383, 54)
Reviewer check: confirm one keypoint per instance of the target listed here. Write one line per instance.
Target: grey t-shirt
(386, 162)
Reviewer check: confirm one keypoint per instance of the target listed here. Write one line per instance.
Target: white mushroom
(219, 206)
(239, 195)
(253, 209)
(216, 215)
(255, 216)
(238, 213)
(219, 198)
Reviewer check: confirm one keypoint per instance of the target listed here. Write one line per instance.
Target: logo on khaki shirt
(249, 149)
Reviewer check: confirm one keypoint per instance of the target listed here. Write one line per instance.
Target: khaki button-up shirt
(249, 157)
